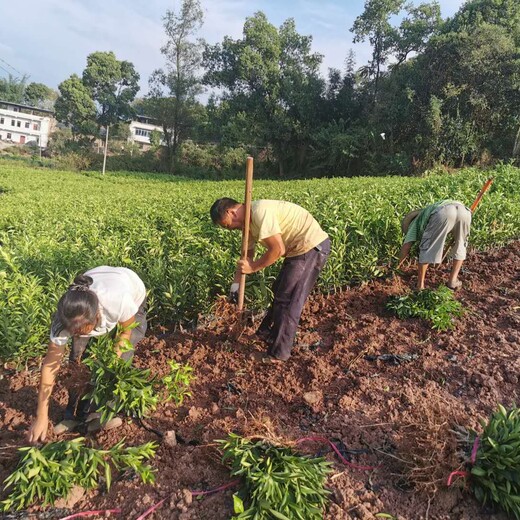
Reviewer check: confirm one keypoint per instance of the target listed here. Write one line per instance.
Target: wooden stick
(245, 231)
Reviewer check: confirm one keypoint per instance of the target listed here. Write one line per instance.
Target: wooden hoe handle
(245, 231)
(486, 187)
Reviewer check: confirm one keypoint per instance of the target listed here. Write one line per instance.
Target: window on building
(142, 132)
(1, 120)
(27, 124)
(18, 124)
(8, 137)
(36, 126)
(13, 122)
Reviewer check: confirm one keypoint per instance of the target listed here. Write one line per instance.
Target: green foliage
(171, 101)
(49, 473)
(495, 476)
(271, 85)
(75, 106)
(276, 481)
(38, 95)
(438, 306)
(159, 226)
(120, 388)
(177, 382)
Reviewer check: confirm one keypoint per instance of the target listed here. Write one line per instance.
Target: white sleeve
(58, 335)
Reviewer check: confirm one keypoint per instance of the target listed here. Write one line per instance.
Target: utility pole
(106, 147)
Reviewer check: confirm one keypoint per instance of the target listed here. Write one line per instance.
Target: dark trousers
(77, 407)
(291, 289)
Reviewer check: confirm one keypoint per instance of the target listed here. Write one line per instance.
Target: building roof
(27, 107)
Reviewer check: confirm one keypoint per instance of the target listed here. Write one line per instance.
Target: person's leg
(264, 331)
(431, 248)
(421, 276)
(453, 281)
(139, 332)
(298, 281)
(461, 231)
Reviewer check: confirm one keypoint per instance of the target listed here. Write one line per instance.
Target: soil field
(395, 412)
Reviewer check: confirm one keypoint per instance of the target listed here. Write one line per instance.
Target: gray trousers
(77, 408)
(291, 289)
(454, 218)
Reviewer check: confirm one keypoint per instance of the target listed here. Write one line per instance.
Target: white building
(22, 124)
(141, 128)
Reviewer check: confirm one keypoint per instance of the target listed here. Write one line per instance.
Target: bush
(118, 387)
(438, 306)
(276, 481)
(495, 470)
(51, 472)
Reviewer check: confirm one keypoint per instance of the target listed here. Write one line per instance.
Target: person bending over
(285, 230)
(95, 304)
(430, 227)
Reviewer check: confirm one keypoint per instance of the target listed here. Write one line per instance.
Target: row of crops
(56, 224)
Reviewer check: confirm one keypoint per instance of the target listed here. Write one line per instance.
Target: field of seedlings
(56, 224)
(369, 417)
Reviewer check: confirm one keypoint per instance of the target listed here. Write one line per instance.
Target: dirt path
(398, 415)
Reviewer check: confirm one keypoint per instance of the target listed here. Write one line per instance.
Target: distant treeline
(435, 92)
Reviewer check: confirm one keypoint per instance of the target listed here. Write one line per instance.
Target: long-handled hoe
(242, 315)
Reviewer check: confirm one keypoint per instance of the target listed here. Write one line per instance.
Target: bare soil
(397, 411)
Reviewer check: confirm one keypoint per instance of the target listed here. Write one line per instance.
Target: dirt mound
(393, 411)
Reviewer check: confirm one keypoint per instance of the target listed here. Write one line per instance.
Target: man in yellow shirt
(285, 230)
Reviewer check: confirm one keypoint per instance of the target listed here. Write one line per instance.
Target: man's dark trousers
(291, 289)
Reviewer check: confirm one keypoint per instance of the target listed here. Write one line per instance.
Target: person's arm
(50, 367)
(405, 251)
(238, 273)
(275, 250)
(125, 334)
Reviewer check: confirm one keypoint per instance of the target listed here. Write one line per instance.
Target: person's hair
(78, 307)
(219, 208)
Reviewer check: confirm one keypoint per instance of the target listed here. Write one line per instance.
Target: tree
(113, 85)
(271, 87)
(415, 30)
(39, 95)
(173, 89)
(12, 89)
(75, 106)
(374, 24)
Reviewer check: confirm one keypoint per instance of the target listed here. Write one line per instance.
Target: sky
(50, 39)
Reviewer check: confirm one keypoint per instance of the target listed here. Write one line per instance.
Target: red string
(91, 513)
(473, 459)
(220, 488)
(464, 474)
(338, 453)
(151, 509)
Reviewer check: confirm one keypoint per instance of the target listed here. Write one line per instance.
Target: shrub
(118, 387)
(495, 476)
(276, 481)
(438, 306)
(51, 472)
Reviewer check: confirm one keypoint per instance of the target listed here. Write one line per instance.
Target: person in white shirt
(93, 305)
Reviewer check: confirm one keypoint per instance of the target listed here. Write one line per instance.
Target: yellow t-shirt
(299, 229)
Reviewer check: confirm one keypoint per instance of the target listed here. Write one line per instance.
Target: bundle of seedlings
(117, 387)
(49, 473)
(276, 481)
(493, 466)
(438, 306)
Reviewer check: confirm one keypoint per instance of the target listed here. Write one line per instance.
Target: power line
(12, 68)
